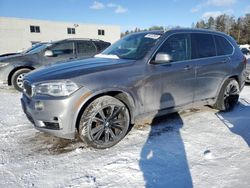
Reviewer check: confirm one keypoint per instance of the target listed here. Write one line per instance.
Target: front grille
(27, 88)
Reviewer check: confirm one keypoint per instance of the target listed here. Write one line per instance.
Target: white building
(17, 33)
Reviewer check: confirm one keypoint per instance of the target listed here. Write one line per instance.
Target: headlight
(58, 89)
(3, 64)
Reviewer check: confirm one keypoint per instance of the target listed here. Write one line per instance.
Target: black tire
(104, 122)
(17, 77)
(228, 96)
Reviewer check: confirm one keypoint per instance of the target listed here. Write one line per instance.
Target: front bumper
(4, 73)
(54, 116)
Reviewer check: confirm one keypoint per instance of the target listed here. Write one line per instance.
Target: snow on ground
(198, 148)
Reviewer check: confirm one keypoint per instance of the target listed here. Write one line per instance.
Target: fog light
(51, 125)
(39, 105)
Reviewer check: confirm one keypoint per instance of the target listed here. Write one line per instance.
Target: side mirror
(162, 57)
(48, 53)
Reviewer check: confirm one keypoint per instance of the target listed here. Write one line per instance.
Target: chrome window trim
(190, 32)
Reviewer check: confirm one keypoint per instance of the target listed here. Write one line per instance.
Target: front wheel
(104, 122)
(17, 79)
(228, 96)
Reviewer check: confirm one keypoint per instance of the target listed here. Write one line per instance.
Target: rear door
(211, 64)
(85, 49)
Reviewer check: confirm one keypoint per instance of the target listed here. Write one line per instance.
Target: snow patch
(195, 148)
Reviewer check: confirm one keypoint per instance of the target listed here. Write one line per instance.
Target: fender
(16, 68)
(221, 84)
(86, 97)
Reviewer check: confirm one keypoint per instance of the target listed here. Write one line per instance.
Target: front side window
(177, 47)
(38, 48)
(134, 46)
(85, 47)
(63, 49)
(203, 45)
(223, 46)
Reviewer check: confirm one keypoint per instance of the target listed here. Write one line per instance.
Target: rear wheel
(17, 79)
(104, 122)
(228, 96)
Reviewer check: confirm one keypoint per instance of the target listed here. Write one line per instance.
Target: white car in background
(245, 49)
(245, 46)
(248, 69)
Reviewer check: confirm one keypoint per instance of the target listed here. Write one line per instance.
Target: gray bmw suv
(142, 75)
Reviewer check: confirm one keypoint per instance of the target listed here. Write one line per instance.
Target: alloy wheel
(19, 80)
(108, 124)
(231, 94)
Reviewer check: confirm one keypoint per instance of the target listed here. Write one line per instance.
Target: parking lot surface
(198, 147)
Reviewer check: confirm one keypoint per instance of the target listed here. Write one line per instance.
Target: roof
(196, 30)
(77, 39)
(182, 30)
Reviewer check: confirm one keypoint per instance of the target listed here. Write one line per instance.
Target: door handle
(188, 67)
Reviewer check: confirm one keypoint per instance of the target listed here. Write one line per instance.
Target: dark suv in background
(143, 74)
(13, 68)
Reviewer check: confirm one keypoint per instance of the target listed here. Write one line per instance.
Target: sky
(128, 13)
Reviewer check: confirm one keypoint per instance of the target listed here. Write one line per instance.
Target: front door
(171, 84)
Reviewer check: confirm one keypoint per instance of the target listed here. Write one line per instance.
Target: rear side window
(223, 46)
(203, 45)
(85, 47)
(63, 49)
(102, 45)
(178, 47)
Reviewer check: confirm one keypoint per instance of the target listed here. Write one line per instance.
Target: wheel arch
(222, 83)
(16, 69)
(121, 95)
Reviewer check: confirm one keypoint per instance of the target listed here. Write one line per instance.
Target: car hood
(74, 69)
(16, 58)
(8, 54)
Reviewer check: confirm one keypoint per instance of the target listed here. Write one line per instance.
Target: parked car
(248, 71)
(22, 51)
(245, 51)
(13, 68)
(141, 74)
(8, 54)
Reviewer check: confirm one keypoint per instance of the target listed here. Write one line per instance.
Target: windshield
(133, 46)
(37, 48)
